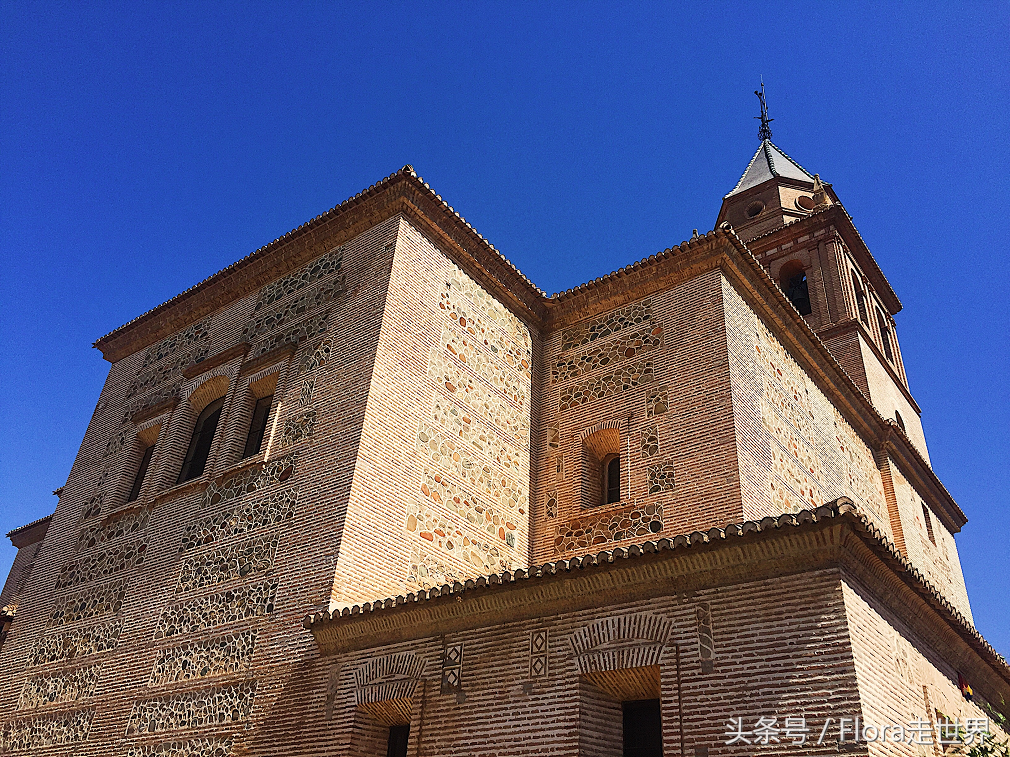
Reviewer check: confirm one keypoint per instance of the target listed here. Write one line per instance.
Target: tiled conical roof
(768, 162)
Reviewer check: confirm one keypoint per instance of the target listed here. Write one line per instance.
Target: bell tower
(799, 230)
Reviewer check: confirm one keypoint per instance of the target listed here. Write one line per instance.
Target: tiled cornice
(401, 192)
(831, 537)
(29, 533)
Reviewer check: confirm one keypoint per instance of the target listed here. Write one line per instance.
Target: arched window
(138, 481)
(885, 337)
(601, 467)
(199, 445)
(793, 281)
(612, 479)
(860, 299)
(258, 426)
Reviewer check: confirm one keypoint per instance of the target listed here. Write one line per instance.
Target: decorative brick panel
(217, 609)
(72, 645)
(93, 566)
(592, 529)
(125, 524)
(202, 659)
(198, 332)
(306, 329)
(159, 374)
(627, 347)
(607, 324)
(248, 558)
(620, 380)
(104, 599)
(650, 440)
(253, 479)
(195, 709)
(266, 321)
(255, 512)
(48, 731)
(59, 688)
(661, 478)
(212, 747)
(308, 274)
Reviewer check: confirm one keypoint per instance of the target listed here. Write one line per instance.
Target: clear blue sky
(144, 146)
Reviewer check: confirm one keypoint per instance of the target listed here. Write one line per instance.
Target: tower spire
(765, 132)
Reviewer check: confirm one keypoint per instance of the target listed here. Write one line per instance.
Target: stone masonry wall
(656, 371)
(902, 675)
(939, 562)
(796, 449)
(442, 478)
(164, 626)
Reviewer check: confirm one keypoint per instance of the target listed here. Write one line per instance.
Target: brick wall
(904, 672)
(442, 477)
(17, 579)
(180, 607)
(654, 373)
(778, 647)
(887, 398)
(422, 433)
(796, 450)
(938, 561)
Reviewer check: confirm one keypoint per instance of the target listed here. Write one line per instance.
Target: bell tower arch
(796, 226)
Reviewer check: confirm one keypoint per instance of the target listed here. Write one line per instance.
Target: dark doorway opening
(397, 744)
(643, 728)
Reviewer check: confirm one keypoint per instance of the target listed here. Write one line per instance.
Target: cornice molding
(275, 355)
(832, 537)
(850, 235)
(236, 350)
(378, 203)
(850, 325)
(29, 533)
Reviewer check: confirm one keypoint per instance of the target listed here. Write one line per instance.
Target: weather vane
(765, 131)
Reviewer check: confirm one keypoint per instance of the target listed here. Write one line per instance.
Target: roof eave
(200, 300)
(335, 632)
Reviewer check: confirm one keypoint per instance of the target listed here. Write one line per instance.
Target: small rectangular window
(199, 446)
(397, 744)
(643, 728)
(929, 523)
(257, 429)
(612, 483)
(138, 481)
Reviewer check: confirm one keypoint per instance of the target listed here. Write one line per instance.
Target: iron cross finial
(765, 131)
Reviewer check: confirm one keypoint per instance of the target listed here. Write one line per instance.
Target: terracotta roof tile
(840, 508)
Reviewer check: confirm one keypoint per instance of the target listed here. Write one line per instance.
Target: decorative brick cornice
(275, 355)
(850, 234)
(154, 410)
(30, 533)
(831, 537)
(397, 193)
(236, 350)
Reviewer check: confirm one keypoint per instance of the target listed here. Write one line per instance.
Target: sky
(145, 146)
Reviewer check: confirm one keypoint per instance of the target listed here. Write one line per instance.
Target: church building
(370, 491)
